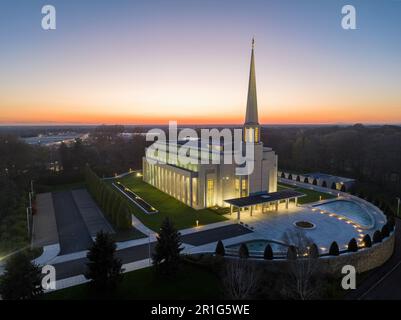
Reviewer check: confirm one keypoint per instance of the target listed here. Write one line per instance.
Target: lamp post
(398, 206)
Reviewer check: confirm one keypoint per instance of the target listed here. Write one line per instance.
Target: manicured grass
(182, 215)
(310, 195)
(191, 282)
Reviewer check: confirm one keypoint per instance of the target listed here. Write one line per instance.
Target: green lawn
(191, 282)
(311, 195)
(182, 215)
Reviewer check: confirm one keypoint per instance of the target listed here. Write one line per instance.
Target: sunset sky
(148, 62)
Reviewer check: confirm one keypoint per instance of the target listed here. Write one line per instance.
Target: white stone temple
(208, 185)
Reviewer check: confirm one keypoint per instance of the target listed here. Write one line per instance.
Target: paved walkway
(90, 212)
(44, 222)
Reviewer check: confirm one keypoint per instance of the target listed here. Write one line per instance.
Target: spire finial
(253, 43)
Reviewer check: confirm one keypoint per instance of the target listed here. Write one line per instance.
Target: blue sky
(147, 61)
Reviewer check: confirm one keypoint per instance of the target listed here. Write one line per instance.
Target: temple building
(207, 185)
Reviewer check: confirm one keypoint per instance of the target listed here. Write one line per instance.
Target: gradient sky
(151, 61)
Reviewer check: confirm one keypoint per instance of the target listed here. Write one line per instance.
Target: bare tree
(302, 267)
(241, 279)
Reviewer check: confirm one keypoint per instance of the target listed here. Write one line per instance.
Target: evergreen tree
(21, 279)
(168, 248)
(104, 269)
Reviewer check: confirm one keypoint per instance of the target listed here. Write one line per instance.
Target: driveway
(72, 231)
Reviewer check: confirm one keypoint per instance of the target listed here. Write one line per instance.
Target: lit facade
(208, 185)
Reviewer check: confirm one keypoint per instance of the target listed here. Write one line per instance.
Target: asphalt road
(383, 283)
(72, 231)
(141, 252)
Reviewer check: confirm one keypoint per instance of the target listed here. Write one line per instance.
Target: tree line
(115, 207)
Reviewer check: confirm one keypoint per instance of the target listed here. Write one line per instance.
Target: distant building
(208, 185)
(320, 179)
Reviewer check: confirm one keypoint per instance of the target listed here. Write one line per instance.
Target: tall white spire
(251, 117)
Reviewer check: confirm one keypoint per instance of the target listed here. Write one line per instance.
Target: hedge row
(334, 250)
(113, 205)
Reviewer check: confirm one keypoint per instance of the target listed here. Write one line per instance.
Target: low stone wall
(363, 260)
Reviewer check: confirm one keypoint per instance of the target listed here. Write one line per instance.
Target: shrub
(243, 251)
(314, 251)
(343, 188)
(314, 182)
(306, 180)
(377, 237)
(367, 241)
(220, 250)
(334, 249)
(268, 254)
(290, 176)
(324, 184)
(298, 178)
(282, 175)
(385, 231)
(292, 253)
(334, 186)
(352, 245)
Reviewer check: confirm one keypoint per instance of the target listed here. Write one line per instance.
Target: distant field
(182, 215)
(191, 282)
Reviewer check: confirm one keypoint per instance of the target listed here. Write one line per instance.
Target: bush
(385, 231)
(220, 250)
(290, 176)
(324, 184)
(282, 175)
(243, 251)
(377, 237)
(298, 178)
(343, 188)
(268, 254)
(314, 251)
(292, 253)
(314, 182)
(367, 241)
(334, 186)
(352, 245)
(334, 249)
(306, 180)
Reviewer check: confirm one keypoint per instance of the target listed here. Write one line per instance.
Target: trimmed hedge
(220, 250)
(334, 249)
(268, 254)
(367, 241)
(377, 237)
(113, 205)
(352, 245)
(243, 251)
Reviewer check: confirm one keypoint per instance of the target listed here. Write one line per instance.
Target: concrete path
(90, 212)
(68, 268)
(44, 222)
(73, 233)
